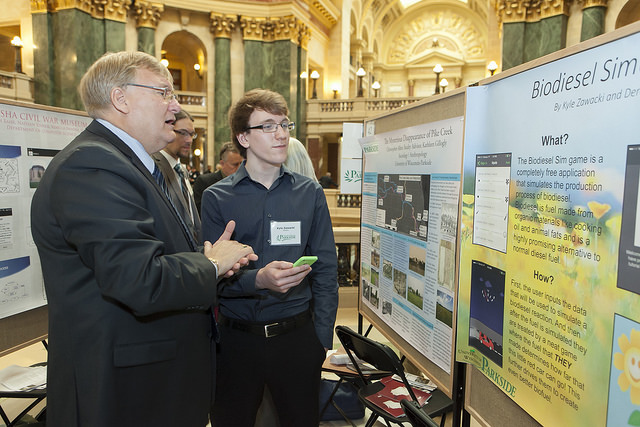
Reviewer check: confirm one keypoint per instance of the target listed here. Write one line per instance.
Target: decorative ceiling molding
(275, 29)
(460, 30)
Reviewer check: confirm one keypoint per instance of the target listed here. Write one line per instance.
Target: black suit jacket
(129, 300)
(203, 182)
(185, 207)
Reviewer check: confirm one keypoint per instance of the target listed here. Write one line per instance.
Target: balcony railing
(16, 86)
(357, 109)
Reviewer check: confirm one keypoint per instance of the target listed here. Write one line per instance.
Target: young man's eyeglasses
(166, 93)
(272, 127)
(186, 133)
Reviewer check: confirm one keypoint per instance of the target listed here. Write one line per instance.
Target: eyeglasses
(167, 94)
(186, 133)
(272, 127)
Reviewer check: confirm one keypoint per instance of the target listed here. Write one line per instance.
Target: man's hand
(229, 254)
(280, 276)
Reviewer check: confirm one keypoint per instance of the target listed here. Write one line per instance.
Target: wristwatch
(215, 263)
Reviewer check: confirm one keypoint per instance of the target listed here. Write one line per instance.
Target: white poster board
(410, 198)
(29, 137)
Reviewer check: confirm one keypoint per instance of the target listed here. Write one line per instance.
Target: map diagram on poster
(403, 204)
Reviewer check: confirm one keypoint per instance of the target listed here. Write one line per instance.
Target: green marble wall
(523, 42)
(43, 59)
(114, 37)
(257, 65)
(512, 44)
(147, 40)
(78, 40)
(69, 41)
(553, 34)
(222, 93)
(592, 22)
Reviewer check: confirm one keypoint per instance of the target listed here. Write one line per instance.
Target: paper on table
(19, 378)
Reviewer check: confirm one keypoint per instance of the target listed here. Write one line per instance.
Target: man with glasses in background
(276, 320)
(129, 290)
(175, 173)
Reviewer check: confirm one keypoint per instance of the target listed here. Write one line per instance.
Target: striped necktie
(183, 187)
(157, 175)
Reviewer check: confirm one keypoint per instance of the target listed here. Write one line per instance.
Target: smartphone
(305, 260)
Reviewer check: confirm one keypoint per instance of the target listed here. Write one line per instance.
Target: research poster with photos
(549, 274)
(410, 194)
(30, 138)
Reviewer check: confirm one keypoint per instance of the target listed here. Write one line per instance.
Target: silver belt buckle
(266, 330)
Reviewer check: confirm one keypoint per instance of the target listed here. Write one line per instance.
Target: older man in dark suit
(129, 290)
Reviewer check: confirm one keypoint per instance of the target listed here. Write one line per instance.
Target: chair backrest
(377, 354)
(416, 416)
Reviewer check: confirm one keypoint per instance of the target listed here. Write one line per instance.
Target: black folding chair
(416, 416)
(383, 358)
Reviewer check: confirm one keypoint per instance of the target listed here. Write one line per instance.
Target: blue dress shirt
(253, 207)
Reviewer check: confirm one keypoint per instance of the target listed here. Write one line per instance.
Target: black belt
(270, 329)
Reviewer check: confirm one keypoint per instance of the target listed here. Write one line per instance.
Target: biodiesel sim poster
(549, 304)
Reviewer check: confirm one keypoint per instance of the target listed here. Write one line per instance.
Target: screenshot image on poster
(491, 204)
(629, 253)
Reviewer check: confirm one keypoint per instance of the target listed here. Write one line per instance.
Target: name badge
(285, 233)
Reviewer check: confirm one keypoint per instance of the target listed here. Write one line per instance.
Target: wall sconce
(314, 76)
(376, 87)
(164, 61)
(335, 88)
(198, 69)
(16, 42)
(444, 83)
(197, 152)
(437, 69)
(360, 73)
(492, 67)
(304, 75)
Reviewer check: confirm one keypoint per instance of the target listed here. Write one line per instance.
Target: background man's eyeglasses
(166, 93)
(186, 133)
(272, 127)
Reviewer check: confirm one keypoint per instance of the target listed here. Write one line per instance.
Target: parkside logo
(285, 237)
(353, 176)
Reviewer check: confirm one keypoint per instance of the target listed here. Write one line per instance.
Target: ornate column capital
(148, 14)
(113, 10)
(531, 10)
(222, 25)
(42, 6)
(254, 28)
(273, 29)
(550, 8)
(593, 3)
(512, 10)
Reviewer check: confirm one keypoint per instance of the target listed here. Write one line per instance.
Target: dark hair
(256, 99)
(183, 115)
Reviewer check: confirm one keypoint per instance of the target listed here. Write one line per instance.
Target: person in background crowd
(230, 160)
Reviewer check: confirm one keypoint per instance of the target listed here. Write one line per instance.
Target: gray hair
(298, 159)
(113, 70)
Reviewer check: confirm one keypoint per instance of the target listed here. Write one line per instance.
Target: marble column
(531, 30)
(222, 26)
(593, 15)
(147, 16)
(70, 37)
(272, 56)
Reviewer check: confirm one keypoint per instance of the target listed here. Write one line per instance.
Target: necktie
(180, 172)
(157, 175)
